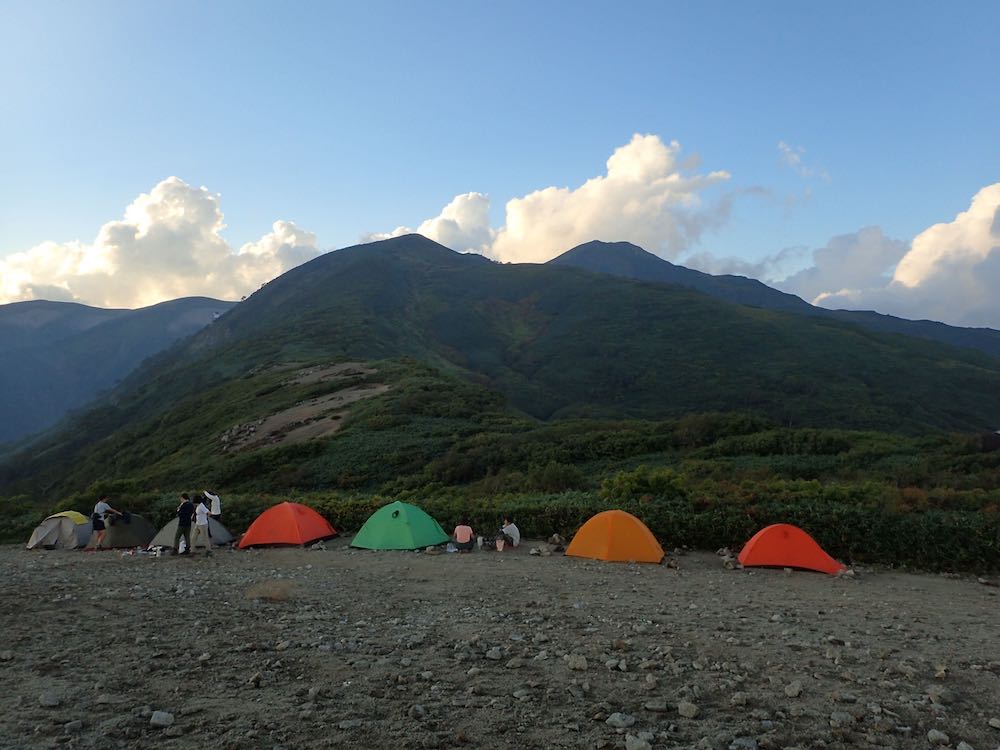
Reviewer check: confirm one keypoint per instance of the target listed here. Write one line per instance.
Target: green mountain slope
(632, 262)
(546, 342)
(59, 356)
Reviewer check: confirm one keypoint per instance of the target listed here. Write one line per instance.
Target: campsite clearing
(350, 648)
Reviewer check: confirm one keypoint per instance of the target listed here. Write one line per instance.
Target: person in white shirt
(216, 501)
(101, 512)
(201, 514)
(511, 532)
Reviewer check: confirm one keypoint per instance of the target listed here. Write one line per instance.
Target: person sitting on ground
(101, 514)
(509, 532)
(201, 530)
(184, 512)
(464, 536)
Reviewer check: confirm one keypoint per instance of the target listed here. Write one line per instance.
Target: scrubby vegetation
(705, 480)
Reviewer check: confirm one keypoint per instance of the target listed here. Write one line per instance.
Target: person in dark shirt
(184, 513)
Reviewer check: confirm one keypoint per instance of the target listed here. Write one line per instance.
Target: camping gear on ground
(399, 525)
(782, 545)
(66, 530)
(165, 536)
(126, 530)
(616, 536)
(287, 523)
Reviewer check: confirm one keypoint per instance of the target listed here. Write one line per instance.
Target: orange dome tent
(287, 523)
(782, 545)
(616, 536)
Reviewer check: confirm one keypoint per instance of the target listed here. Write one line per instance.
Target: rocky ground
(344, 648)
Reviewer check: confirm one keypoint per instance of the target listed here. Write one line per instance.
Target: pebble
(350, 724)
(964, 746)
(635, 743)
(620, 721)
(995, 723)
(161, 719)
(72, 727)
(738, 698)
(656, 706)
(417, 711)
(687, 709)
(744, 743)
(841, 719)
(50, 699)
(494, 654)
(576, 662)
(6, 655)
(515, 663)
(793, 689)
(937, 737)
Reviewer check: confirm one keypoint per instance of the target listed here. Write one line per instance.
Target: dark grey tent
(127, 531)
(165, 537)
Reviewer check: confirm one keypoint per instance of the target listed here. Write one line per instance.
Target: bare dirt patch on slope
(310, 419)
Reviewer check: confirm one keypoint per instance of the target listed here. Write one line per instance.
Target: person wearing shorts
(99, 519)
(464, 536)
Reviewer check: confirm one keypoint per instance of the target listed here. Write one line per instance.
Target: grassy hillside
(560, 343)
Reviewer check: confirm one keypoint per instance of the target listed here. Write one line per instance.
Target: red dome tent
(287, 523)
(782, 545)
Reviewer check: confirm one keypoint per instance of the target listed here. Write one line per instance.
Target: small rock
(161, 719)
(744, 743)
(417, 711)
(72, 727)
(283, 646)
(656, 706)
(620, 721)
(964, 746)
(738, 699)
(937, 737)
(49, 699)
(350, 724)
(494, 654)
(255, 679)
(687, 709)
(6, 655)
(793, 689)
(995, 723)
(841, 719)
(534, 551)
(635, 743)
(204, 657)
(576, 662)
(515, 663)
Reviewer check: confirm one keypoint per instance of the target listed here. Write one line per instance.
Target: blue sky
(355, 118)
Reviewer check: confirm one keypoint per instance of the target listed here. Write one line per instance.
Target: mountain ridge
(627, 260)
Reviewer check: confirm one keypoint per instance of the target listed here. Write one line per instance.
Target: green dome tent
(399, 526)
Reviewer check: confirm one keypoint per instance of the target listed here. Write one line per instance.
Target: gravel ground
(333, 648)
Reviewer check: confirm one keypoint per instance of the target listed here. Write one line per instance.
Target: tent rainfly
(399, 526)
(130, 530)
(782, 545)
(287, 524)
(66, 530)
(165, 536)
(615, 536)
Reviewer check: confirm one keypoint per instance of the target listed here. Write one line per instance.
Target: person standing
(201, 530)
(216, 508)
(184, 512)
(99, 517)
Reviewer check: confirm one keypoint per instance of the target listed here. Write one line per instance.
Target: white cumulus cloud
(167, 245)
(462, 225)
(647, 197)
(950, 272)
